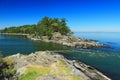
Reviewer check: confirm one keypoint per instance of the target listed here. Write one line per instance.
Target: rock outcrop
(72, 41)
(47, 65)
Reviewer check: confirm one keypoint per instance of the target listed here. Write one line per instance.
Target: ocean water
(106, 60)
(108, 38)
(10, 45)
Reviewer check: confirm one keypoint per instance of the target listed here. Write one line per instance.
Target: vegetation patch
(7, 71)
(33, 72)
(45, 27)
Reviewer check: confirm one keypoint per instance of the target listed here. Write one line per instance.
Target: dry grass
(58, 69)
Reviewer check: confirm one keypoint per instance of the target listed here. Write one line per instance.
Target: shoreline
(86, 72)
(70, 41)
(79, 66)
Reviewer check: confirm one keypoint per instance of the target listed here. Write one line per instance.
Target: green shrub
(6, 70)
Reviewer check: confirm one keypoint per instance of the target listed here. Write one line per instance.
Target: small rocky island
(47, 65)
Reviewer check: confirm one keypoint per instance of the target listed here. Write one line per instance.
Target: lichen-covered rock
(71, 41)
(44, 37)
(47, 65)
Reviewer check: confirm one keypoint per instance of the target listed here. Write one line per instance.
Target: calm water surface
(105, 60)
(106, 38)
(20, 44)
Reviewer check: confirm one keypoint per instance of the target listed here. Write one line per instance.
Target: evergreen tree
(45, 27)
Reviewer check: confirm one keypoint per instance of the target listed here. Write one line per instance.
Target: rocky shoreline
(43, 59)
(69, 41)
(47, 58)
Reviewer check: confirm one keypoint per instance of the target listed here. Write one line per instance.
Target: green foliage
(30, 76)
(21, 29)
(49, 25)
(6, 70)
(45, 27)
(33, 72)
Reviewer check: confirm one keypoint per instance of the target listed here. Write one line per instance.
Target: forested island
(44, 27)
(51, 30)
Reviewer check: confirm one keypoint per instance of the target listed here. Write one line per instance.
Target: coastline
(86, 72)
(19, 34)
(70, 41)
(80, 67)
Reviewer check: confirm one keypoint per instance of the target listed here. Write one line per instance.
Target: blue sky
(82, 15)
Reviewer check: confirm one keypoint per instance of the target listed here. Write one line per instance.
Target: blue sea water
(106, 60)
(10, 45)
(108, 38)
